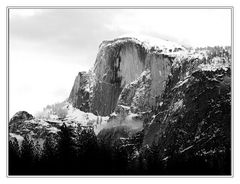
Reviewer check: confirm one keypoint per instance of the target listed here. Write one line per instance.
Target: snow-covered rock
(120, 62)
(81, 91)
(78, 117)
(194, 112)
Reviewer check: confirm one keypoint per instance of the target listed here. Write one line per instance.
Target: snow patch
(53, 129)
(18, 137)
(178, 105)
(76, 116)
(180, 83)
(214, 66)
(152, 42)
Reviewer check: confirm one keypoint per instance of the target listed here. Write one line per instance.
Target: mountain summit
(120, 63)
(152, 98)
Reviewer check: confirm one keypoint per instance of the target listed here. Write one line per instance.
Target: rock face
(119, 63)
(182, 97)
(23, 123)
(38, 128)
(80, 94)
(194, 115)
(21, 116)
(136, 95)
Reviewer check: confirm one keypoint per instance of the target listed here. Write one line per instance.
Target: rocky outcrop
(193, 118)
(38, 128)
(23, 124)
(119, 63)
(21, 116)
(137, 95)
(80, 93)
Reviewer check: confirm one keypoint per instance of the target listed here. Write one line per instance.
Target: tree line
(81, 152)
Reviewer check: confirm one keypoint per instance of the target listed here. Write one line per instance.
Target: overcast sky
(48, 47)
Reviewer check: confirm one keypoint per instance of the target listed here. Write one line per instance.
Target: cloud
(195, 27)
(77, 29)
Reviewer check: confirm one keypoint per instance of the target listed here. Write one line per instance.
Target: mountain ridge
(179, 99)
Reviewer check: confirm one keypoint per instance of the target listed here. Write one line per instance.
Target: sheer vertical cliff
(119, 63)
(183, 97)
(80, 93)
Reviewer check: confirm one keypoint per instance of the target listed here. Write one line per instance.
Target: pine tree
(49, 149)
(87, 150)
(48, 160)
(14, 157)
(27, 155)
(37, 151)
(65, 151)
(152, 158)
(120, 158)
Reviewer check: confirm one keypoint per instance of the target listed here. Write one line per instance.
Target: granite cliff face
(193, 118)
(182, 98)
(80, 94)
(119, 63)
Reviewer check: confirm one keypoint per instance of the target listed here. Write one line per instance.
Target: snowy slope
(76, 116)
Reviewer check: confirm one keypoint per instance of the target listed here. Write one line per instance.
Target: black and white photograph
(119, 91)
